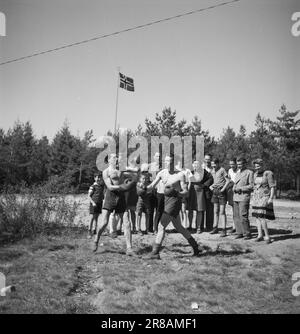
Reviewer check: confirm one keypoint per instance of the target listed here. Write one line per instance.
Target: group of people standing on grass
(175, 194)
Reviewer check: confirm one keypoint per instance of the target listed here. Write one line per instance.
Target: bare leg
(222, 216)
(147, 221)
(233, 225)
(184, 216)
(177, 224)
(120, 222)
(127, 229)
(259, 229)
(200, 221)
(186, 234)
(265, 228)
(165, 220)
(139, 218)
(216, 215)
(102, 227)
(96, 224)
(133, 219)
(112, 223)
(91, 224)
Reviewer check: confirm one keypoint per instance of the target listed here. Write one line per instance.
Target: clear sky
(224, 65)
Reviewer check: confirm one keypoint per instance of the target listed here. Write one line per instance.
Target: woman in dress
(200, 181)
(262, 201)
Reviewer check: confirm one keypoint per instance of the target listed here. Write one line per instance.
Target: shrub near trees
(68, 162)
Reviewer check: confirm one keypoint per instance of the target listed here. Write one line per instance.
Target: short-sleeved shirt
(96, 191)
(220, 177)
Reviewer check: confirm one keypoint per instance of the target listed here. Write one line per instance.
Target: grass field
(60, 274)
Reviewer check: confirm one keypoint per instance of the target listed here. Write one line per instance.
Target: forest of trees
(68, 162)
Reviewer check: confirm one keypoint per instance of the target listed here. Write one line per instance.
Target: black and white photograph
(149, 159)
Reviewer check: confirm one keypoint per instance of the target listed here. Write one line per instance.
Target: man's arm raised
(155, 182)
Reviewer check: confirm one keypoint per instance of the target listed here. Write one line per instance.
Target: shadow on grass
(285, 237)
(275, 231)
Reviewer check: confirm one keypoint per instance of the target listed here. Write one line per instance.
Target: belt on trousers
(242, 192)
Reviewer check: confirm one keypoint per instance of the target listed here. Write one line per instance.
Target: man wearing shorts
(209, 213)
(154, 169)
(219, 198)
(175, 188)
(114, 202)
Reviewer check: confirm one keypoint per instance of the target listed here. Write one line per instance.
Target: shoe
(258, 239)
(247, 237)
(214, 231)
(223, 234)
(89, 236)
(140, 232)
(194, 245)
(119, 232)
(153, 256)
(95, 232)
(114, 235)
(239, 236)
(95, 247)
(268, 241)
(130, 252)
(232, 231)
(199, 231)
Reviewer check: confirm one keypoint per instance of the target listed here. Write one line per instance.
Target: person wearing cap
(262, 200)
(242, 188)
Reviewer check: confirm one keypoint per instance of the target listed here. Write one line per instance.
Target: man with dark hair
(174, 188)
(232, 172)
(242, 188)
(95, 196)
(157, 200)
(219, 197)
(209, 219)
(115, 202)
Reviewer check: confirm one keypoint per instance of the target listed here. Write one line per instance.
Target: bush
(34, 211)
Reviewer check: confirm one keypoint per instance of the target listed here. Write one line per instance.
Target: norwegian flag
(126, 83)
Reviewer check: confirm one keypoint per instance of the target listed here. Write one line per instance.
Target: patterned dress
(263, 182)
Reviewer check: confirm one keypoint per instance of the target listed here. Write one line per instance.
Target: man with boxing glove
(175, 189)
(115, 202)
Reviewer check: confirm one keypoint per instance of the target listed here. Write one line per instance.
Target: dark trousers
(241, 217)
(159, 209)
(209, 220)
(153, 202)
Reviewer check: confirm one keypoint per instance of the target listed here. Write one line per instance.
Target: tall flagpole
(117, 101)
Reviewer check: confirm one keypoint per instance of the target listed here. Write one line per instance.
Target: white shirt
(232, 174)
